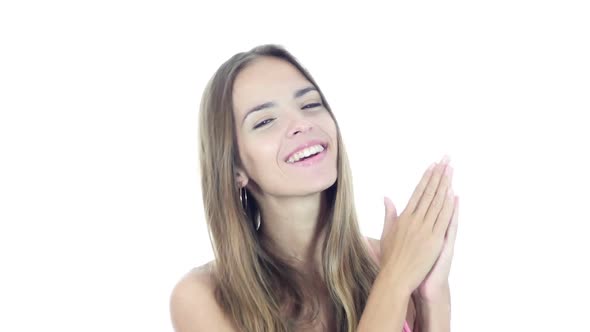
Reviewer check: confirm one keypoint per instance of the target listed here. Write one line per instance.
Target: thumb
(390, 215)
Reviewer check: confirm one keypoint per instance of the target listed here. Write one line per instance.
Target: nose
(299, 124)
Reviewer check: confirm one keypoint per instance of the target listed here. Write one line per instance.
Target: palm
(438, 277)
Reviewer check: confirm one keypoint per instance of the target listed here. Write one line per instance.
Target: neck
(295, 226)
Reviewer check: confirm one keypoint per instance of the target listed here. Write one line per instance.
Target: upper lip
(306, 145)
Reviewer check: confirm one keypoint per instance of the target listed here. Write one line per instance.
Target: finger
(393, 212)
(389, 208)
(452, 230)
(440, 199)
(413, 202)
(444, 220)
(430, 191)
(390, 215)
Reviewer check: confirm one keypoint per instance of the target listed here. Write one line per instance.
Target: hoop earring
(258, 222)
(244, 203)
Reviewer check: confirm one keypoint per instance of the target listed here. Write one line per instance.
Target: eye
(267, 121)
(312, 105)
(262, 123)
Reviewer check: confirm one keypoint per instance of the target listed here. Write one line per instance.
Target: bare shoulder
(375, 248)
(193, 306)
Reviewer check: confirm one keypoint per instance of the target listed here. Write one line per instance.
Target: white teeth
(305, 153)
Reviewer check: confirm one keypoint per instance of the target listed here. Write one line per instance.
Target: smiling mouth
(307, 154)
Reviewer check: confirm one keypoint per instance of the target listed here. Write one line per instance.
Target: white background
(100, 204)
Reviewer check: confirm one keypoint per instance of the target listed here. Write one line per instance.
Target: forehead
(266, 79)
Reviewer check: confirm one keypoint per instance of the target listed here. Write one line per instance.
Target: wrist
(396, 280)
(434, 297)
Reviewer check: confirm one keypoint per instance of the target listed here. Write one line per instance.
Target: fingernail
(445, 159)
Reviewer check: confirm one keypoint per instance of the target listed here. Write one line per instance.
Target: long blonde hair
(256, 287)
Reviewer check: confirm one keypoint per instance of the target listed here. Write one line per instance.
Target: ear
(241, 177)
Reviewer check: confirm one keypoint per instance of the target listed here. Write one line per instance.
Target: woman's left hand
(436, 282)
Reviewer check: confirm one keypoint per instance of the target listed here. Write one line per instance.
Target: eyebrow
(299, 93)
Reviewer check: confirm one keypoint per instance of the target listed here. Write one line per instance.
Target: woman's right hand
(412, 242)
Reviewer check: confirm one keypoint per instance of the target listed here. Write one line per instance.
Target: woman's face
(277, 116)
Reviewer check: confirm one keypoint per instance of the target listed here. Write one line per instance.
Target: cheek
(261, 156)
(330, 126)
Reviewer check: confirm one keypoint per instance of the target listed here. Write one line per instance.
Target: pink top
(407, 327)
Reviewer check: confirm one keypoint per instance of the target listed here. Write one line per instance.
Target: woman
(279, 205)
